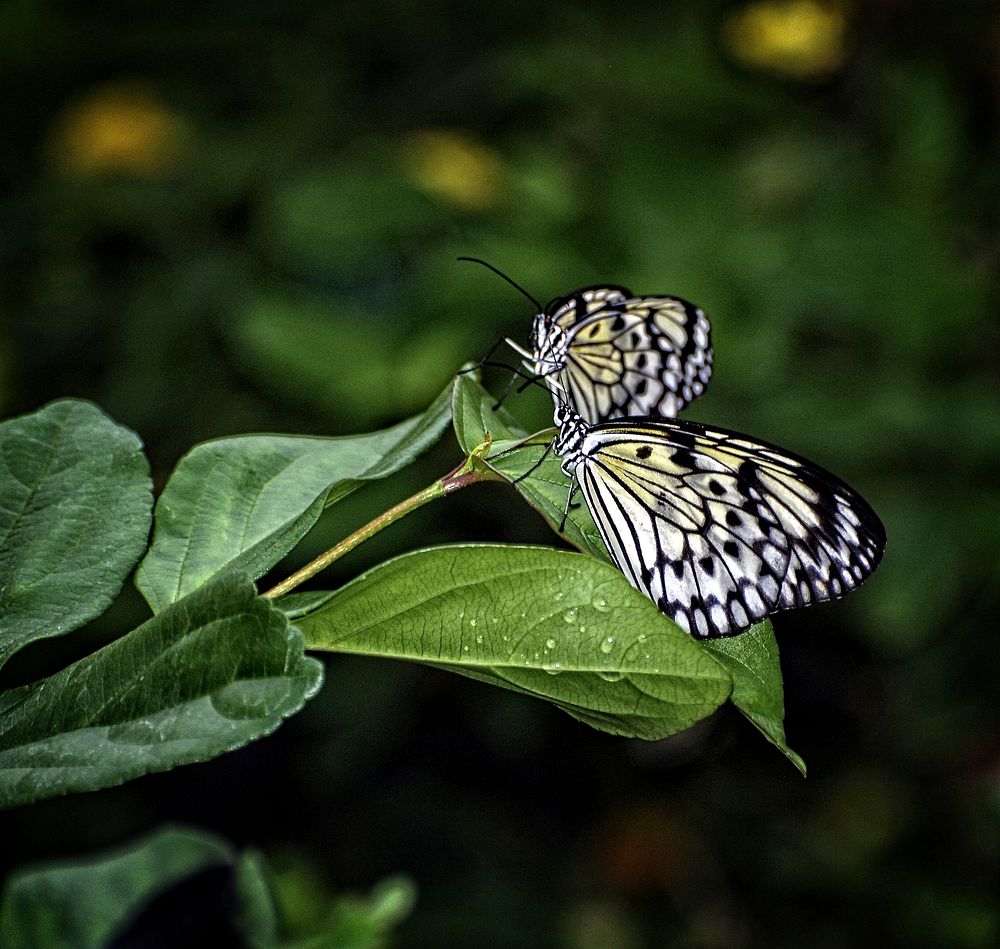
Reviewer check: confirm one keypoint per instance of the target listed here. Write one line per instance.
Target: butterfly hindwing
(718, 529)
(614, 355)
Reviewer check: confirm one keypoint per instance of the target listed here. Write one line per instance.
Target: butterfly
(717, 529)
(612, 354)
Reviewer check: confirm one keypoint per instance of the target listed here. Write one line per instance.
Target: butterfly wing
(720, 530)
(615, 355)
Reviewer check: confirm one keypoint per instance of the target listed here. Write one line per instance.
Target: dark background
(233, 217)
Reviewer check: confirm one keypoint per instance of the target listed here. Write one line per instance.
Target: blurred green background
(222, 218)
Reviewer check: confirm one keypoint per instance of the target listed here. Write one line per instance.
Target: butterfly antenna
(501, 274)
(518, 349)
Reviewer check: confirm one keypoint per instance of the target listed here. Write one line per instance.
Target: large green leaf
(532, 469)
(243, 503)
(751, 658)
(75, 499)
(554, 624)
(86, 904)
(207, 675)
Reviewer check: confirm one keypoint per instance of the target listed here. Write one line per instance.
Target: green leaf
(548, 623)
(758, 692)
(546, 488)
(243, 503)
(258, 915)
(75, 499)
(85, 904)
(751, 658)
(357, 922)
(207, 675)
(474, 416)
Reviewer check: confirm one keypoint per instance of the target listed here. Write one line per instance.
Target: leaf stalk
(469, 472)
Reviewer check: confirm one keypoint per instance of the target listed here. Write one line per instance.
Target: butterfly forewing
(720, 530)
(614, 355)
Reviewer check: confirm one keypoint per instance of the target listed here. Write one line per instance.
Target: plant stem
(460, 478)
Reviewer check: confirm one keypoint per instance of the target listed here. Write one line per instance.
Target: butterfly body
(612, 354)
(717, 528)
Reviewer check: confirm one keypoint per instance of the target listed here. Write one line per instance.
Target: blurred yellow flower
(118, 128)
(805, 39)
(453, 166)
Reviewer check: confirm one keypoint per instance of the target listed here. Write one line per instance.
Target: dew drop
(479, 639)
(599, 603)
(583, 629)
(570, 615)
(607, 644)
(642, 637)
(472, 623)
(465, 649)
(550, 644)
(538, 655)
(611, 676)
(554, 669)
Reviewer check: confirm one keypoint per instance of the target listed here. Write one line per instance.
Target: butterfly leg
(569, 503)
(535, 466)
(485, 361)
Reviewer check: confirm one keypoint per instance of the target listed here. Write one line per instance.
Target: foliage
(137, 894)
(63, 559)
(218, 666)
(220, 220)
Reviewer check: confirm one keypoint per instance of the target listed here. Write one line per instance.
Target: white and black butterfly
(718, 529)
(611, 354)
